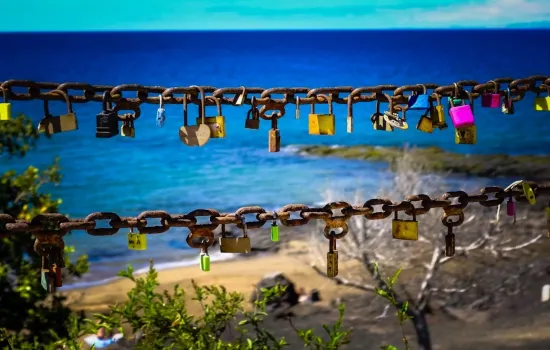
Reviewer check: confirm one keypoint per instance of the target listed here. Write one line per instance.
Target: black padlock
(107, 120)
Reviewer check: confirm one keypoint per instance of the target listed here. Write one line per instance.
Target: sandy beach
(237, 275)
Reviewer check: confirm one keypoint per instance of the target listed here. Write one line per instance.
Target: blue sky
(77, 15)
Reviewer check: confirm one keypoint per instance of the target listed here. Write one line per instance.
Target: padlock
(274, 231)
(127, 129)
(322, 124)
(332, 257)
(67, 121)
(161, 113)
(5, 107)
(378, 121)
(217, 123)
(195, 135)
(508, 103)
(49, 124)
(463, 115)
(274, 142)
(437, 114)
(425, 124)
(529, 193)
(542, 104)
(466, 135)
(450, 242)
(204, 259)
(240, 98)
(547, 209)
(491, 99)
(419, 101)
(137, 241)
(240, 245)
(405, 229)
(510, 207)
(393, 118)
(107, 120)
(253, 116)
(349, 119)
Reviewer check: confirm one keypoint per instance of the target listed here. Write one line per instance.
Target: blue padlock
(419, 101)
(161, 114)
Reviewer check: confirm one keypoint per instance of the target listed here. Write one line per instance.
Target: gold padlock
(542, 104)
(127, 129)
(425, 124)
(217, 123)
(392, 118)
(466, 135)
(5, 107)
(332, 258)
(67, 121)
(405, 229)
(253, 116)
(437, 113)
(239, 245)
(322, 124)
(274, 136)
(195, 135)
(378, 120)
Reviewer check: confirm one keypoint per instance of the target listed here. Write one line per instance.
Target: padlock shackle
(65, 97)
(107, 101)
(424, 89)
(185, 111)
(161, 101)
(390, 101)
(202, 105)
(217, 101)
(322, 97)
(5, 94)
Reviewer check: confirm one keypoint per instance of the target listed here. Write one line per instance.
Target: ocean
(156, 171)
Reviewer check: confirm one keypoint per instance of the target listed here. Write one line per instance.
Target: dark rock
(288, 299)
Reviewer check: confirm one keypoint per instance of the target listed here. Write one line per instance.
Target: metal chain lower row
(49, 229)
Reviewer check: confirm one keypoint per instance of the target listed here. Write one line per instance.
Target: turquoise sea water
(156, 171)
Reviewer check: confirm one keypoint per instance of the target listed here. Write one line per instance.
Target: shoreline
(436, 160)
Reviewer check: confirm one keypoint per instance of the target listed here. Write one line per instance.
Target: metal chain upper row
(58, 224)
(515, 87)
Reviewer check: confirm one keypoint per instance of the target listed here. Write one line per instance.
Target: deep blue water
(156, 171)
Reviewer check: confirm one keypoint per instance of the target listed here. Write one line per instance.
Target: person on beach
(100, 339)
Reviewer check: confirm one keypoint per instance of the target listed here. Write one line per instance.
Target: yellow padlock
(405, 229)
(529, 193)
(466, 135)
(542, 104)
(322, 124)
(5, 107)
(425, 124)
(137, 241)
(217, 123)
(437, 113)
(127, 129)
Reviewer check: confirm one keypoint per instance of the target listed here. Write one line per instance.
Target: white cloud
(491, 13)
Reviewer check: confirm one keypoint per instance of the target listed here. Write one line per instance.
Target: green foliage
(164, 322)
(28, 315)
(386, 292)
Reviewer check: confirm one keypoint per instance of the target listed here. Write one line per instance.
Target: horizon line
(273, 30)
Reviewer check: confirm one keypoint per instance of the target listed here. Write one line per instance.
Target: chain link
(25, 90)
(58, 225)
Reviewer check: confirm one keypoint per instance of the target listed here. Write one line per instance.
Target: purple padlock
(490, 100)
(461, 116)
(510, 207)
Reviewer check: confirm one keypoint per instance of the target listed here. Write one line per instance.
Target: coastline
(436, 160)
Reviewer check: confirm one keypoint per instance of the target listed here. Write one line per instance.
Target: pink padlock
(491, 99)
(462, 116)
(510, 207)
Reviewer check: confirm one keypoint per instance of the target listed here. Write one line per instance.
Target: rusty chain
(58, 225)
(264, 97)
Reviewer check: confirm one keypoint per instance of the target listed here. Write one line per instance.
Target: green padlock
(274, 232)
(205, 261)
